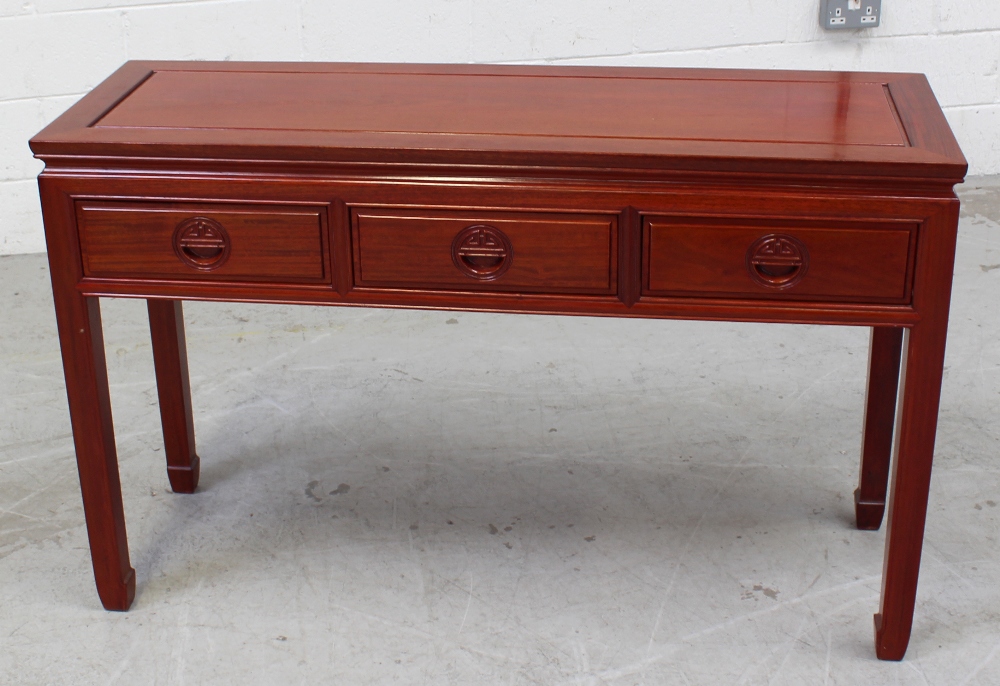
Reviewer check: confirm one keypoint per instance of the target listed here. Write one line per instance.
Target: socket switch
(850, 14)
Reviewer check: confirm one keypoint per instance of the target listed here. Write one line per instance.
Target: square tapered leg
(880, 418)
(166, 326)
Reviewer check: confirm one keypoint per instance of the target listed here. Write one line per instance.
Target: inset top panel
(834, 113)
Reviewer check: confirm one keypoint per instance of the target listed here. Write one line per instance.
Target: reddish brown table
(763, 196)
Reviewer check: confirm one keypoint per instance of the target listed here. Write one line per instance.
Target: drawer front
(850, 261)
(212, 241)
(528, 252)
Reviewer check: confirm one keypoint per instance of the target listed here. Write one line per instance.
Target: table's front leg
(166, 326)
(916, 425)
(880, 418)
(81, 338)
(923, 364)
(82, 341)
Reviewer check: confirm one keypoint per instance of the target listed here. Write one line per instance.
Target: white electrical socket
(850, 14)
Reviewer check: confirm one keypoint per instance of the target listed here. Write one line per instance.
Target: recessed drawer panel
(527, 252)
(823, 260)
(202, 241)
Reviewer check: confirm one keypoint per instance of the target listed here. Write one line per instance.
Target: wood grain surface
(664, 108)
(847, 262)
(137, 239)
(552, 253)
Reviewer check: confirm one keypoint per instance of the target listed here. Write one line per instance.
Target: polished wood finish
(81, 338)
(166, 327)
(880, 418)
(916, 426)
(846, 262)
(550, 253)
(662, 107)
(699, 119)
(798, 197)
(139, 239)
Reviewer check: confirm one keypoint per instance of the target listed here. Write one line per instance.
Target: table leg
(923, 360)
(880, 418)
(82, 341)
(166, 326)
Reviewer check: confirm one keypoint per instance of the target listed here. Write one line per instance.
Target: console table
(765, 196)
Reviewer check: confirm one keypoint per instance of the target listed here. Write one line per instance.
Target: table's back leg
(880, 418)
(166, 326)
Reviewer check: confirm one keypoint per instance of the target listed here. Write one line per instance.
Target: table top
(829, 123)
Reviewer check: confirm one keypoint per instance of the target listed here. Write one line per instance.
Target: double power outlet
(850, 14)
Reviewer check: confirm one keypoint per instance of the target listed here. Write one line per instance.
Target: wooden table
(764, 196)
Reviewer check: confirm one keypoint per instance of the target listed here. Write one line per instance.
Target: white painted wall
(53, 51)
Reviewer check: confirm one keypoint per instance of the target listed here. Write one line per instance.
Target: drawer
(867, 261)
(204, 241)
(526, 252)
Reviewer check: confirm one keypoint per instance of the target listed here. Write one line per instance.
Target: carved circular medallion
(482, 252)
(777, 260)
(201, 243)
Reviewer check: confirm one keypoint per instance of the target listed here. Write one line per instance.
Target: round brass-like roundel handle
(482, 252)
(201, 243)
(777, 260)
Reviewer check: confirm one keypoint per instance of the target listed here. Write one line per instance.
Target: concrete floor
(452, 498)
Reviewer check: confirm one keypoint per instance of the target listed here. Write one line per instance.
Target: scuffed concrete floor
(452, 498)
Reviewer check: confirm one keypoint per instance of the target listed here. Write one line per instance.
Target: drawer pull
(201, 243)
(482, 252)
(777, 260)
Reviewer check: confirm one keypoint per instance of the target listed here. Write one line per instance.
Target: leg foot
(118, 597)
(184, 478)
(889, 646)
(868, 516)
